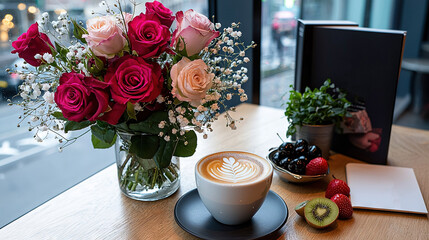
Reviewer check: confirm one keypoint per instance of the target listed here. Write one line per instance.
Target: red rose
(81, 98)
(132, 79)
(112, 116)
(164, 14)
(148, 36)
(31, 43)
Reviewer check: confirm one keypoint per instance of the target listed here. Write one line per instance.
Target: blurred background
(31, 173)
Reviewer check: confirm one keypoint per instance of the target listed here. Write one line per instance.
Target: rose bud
(31, 43)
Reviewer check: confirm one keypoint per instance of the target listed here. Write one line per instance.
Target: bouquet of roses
(131, 76)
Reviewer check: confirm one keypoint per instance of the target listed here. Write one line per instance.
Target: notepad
(385, 188)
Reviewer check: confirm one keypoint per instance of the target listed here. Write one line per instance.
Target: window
(277, 50)
(278, 40)
(30, 172)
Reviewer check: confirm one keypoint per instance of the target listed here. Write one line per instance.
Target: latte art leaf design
(231, 170)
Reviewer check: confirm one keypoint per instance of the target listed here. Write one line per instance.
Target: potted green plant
(313, 114)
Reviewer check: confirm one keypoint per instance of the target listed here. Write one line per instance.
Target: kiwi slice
(300, 208)
(321, 212)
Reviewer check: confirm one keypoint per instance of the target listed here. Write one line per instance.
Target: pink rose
(104, 36)
(31, 43)
(148, 36)
(190, 80)
(164, 14)
(195, 29)
(81, 98)
(132, 79)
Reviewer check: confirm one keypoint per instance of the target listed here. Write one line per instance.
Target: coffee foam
(233, 167)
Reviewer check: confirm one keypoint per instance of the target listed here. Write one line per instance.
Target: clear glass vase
(142, 179)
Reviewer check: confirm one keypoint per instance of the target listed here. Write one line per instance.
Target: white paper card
(384, 188)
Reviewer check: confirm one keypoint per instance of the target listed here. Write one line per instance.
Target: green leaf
(177, 58)
(130, 111)
(53, 50)
(144, 146)
(188, 150)
(316, 107)
(73, 126)
(78, 31)
(57, 46)
(164, 154)
(98, 67)
(123, 127)
(177, 101)
(59, 115)
(61, 50)
(103, 132)
(99, 63)
(100, 144)
(150, 125)
(182, 52)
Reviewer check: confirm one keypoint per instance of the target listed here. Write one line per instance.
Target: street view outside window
(31, 172)
(278, 39)
(277, 49)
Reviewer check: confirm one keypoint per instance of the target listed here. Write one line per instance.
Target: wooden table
(96, 209)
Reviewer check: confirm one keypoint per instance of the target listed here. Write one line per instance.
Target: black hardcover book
(304, 45)
(366, 64)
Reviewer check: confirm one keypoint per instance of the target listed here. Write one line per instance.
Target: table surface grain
(96, 209)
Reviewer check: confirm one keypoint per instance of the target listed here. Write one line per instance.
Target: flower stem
(155, 176)
(121, 168)
(135, 173)
(173, 171)
(169, 175)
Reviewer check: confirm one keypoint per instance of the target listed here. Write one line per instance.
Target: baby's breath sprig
(225, 57)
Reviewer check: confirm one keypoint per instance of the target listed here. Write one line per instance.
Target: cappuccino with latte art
(233, 168)
(233, 185)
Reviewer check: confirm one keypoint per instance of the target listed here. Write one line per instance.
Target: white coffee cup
(233, 184)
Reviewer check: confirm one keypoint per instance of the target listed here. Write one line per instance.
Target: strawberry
(344, 205)
(337, 186)
(316, 166)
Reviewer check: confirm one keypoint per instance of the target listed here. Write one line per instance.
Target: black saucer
(191, 215)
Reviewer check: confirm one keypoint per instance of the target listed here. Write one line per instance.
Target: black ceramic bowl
(287, 176)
